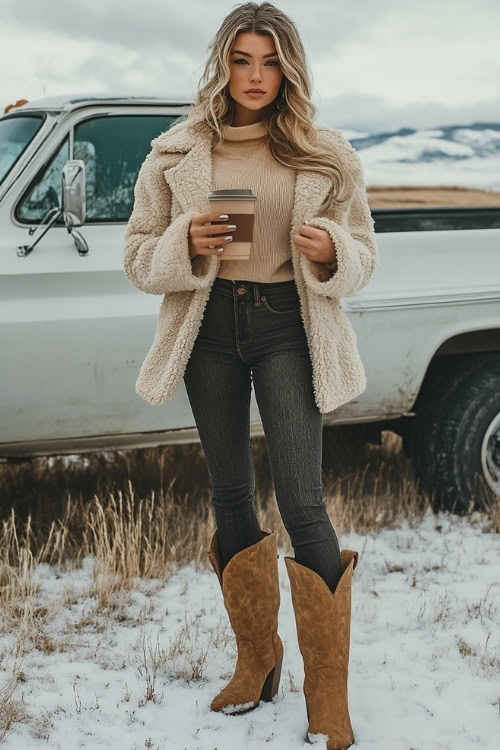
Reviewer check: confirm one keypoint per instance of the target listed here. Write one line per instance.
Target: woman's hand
(205, 238)
(316, 244)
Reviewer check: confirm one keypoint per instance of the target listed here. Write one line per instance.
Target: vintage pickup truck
(74, 331)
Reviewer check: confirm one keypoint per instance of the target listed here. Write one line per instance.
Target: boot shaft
(250, 586)
(323, 619)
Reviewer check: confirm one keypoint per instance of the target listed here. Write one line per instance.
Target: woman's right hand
(206, 238)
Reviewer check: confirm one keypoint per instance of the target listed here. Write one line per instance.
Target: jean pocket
(219, 292)
(282, 302)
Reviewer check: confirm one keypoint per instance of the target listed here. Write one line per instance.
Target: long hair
(293, 139)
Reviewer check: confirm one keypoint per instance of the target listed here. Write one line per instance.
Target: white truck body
(74, 331)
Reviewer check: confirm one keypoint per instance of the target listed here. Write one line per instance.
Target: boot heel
(270, 687)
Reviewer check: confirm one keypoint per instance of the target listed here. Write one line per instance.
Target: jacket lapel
(190, 180)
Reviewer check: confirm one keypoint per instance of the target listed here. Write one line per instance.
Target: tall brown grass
(142, 513)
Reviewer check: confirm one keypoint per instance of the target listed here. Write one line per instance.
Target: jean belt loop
(256, 287)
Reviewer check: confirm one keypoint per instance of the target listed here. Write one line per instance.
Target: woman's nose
(256, 75)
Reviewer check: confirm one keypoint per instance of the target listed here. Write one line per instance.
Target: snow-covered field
(424, 669)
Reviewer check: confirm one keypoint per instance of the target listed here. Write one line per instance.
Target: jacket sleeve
(156, 249)
(354, 239)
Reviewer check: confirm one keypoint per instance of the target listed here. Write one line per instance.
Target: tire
(432, 408)
(450, 457)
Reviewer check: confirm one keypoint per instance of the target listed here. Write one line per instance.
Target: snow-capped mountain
(465, 155)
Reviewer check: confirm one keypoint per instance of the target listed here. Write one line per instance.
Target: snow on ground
(424, 669)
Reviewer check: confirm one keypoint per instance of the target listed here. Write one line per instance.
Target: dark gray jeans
(253, 332)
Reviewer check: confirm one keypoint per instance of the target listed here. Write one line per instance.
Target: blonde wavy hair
(293, 139)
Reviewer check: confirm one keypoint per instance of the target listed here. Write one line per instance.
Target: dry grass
(137, 515)
(141, 513)
(417, 196)
(12, 710)
(185, 658)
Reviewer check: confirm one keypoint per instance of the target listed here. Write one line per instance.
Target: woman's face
(258, 68)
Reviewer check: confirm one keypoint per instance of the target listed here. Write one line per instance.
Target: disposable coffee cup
(239, 205)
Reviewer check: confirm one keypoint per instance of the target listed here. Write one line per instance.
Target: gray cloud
(143, 25)
(189, 26)
(161, 45)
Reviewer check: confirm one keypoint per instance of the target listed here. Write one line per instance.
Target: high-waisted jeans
(253, 332)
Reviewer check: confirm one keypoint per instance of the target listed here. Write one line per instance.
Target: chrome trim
(434, 301)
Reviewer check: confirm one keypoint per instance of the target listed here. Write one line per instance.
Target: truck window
(16, 131)
(113, 149)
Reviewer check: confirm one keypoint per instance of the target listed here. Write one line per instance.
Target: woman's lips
(254, 93)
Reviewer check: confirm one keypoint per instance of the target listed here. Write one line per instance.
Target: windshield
(16, 132)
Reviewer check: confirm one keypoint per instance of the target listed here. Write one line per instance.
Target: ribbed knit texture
(243, 160)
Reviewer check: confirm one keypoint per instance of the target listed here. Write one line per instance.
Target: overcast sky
(376, 64)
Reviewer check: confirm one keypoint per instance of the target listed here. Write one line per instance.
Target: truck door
(73, 330)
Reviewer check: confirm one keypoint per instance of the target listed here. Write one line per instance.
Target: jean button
(241, 290)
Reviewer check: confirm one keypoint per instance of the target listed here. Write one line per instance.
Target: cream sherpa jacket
(172, 186)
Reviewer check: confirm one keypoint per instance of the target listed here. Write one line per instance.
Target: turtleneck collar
(244, 132)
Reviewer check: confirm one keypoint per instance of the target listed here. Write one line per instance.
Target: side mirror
(73, 193)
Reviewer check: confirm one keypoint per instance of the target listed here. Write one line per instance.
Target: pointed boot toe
(229, 702)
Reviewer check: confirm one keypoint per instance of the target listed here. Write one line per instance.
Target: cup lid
(232, 194)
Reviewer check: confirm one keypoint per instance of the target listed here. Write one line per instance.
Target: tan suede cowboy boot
(323, 623)
(250, 589)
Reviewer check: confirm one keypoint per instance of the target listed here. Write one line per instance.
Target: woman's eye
(275, 62)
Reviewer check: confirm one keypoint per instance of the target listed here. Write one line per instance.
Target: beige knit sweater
(243, 160)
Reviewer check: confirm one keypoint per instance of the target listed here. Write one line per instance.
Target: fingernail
(231, 227)
(224, 216)
(228, 238)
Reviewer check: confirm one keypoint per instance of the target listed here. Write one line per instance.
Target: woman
(274, 320)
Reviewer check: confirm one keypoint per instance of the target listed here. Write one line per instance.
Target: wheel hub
(490, 455)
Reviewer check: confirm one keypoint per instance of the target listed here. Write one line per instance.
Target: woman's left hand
(315, 243)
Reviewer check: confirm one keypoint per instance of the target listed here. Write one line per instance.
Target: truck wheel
(432, 408)
(455, 444)
(469, 459)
